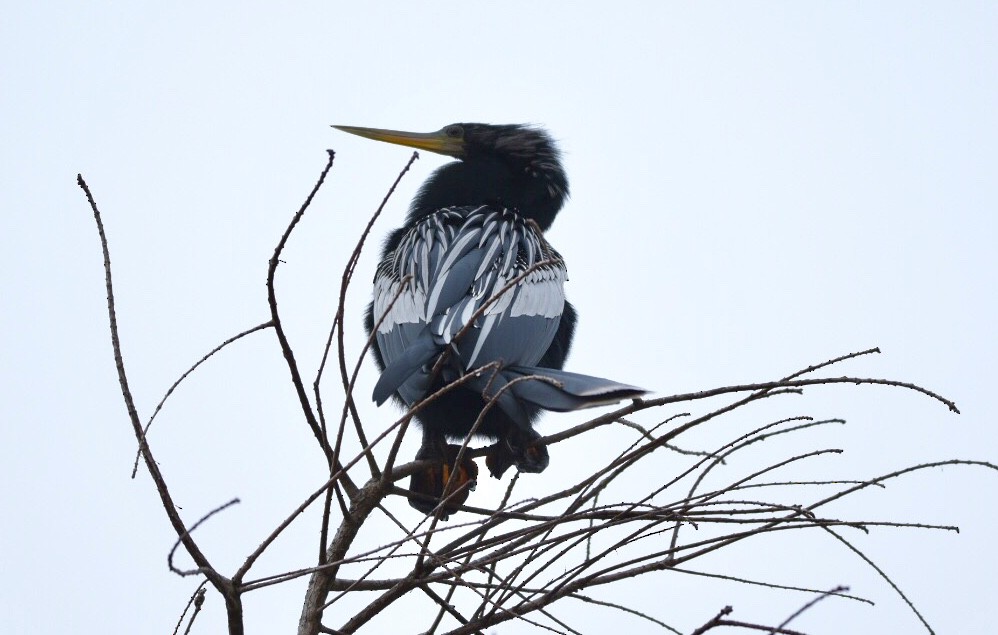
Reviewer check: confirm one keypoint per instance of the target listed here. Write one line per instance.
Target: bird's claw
(429, 484)
(531, 457)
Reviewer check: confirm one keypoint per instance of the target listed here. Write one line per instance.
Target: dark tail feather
(549, 388)
(419, 353)
(561, 391)
(491, 383)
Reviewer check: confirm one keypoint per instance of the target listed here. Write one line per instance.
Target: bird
(469, 290)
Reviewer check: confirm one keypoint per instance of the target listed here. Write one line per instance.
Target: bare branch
(289, 356)
(232, 602)
(517, 560)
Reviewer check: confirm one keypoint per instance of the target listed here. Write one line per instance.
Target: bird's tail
(549, 389)
(515, 386)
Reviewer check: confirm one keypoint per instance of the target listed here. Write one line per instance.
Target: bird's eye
(454, 131)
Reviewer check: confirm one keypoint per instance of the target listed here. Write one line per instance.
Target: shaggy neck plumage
(534, 191)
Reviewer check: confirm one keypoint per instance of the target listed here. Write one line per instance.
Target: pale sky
(756, 187)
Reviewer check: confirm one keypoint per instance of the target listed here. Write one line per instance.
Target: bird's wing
(482, 267)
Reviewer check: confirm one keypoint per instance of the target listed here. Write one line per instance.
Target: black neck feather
(536, 189)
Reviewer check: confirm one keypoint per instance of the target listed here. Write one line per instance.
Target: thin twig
(837, 591)
(169, 558)
(190, 370)
(282, 338)
(196, 600)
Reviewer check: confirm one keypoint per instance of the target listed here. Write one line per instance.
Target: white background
(756, 187)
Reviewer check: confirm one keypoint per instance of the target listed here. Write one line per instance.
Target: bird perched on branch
(468, 289)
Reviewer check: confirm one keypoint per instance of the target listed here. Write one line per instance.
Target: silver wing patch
(458, 260)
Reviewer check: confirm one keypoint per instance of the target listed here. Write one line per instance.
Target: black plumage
(469, 281)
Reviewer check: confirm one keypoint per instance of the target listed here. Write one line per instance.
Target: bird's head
(514, 165)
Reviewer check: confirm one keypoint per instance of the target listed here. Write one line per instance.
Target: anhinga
(470, 282)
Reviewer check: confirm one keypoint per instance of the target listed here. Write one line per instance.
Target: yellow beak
(439, 141)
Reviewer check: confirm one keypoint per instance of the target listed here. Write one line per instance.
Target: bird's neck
(533, 193)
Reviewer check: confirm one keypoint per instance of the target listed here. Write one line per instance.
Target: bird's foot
(520, 450)
(429, 484)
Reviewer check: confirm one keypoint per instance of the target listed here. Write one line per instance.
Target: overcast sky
(756, 187)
